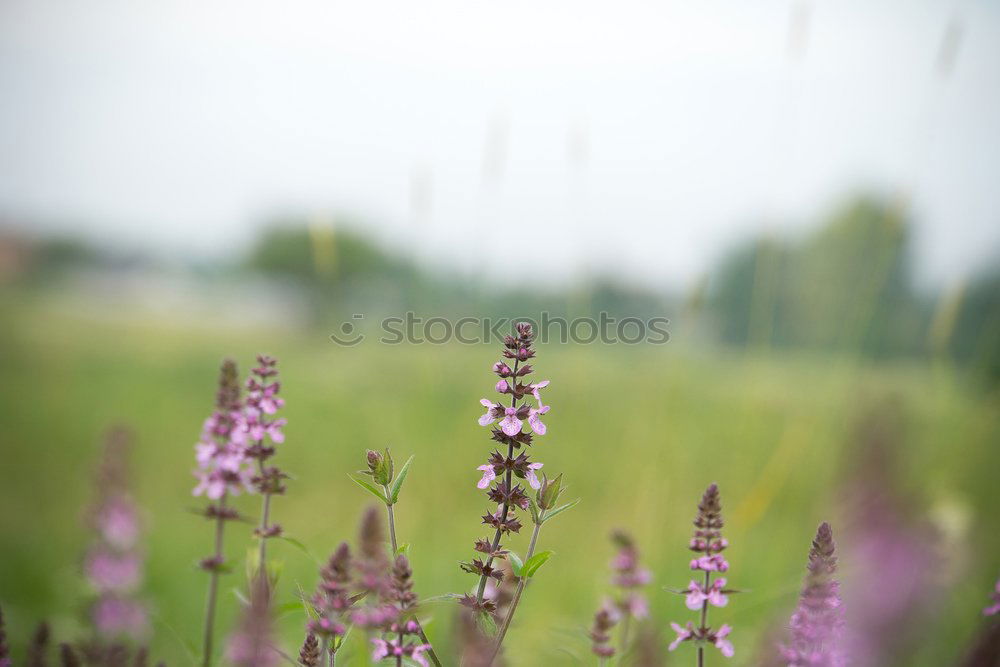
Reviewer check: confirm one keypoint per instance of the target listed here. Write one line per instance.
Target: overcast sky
(638, 137)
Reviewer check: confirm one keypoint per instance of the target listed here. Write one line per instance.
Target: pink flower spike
(488, 476)
(490, 415)
(723, 644)
(531, 476)
(535, 422)
(510, 424)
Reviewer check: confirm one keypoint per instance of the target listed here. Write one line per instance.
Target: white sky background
(642, 138)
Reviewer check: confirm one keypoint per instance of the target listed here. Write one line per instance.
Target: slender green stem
(265, 515)
(213, 586)
(392, 522)
(517, 594)
(623, 639)
(392, 539)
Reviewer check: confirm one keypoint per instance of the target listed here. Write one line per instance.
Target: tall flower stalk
(223, 470)
(818, 622)
(708, 542)
(386, 486)
(257, 428)
(500, 470)
(628, 577)
(113, 565)
(331, 603)
(251, 644)
(543, 507)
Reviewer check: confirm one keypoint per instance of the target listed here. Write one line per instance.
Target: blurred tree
(846, 287)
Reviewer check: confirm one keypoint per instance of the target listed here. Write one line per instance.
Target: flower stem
(517, 594)
(704, 621)
(264, 519)
(213, 586)
(623, 640)
(392, 539)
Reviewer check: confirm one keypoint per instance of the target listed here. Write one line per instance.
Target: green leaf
(536, 562)
(303, 600)
(370, 488)
(298, 545)
(558, 510)
(398, 482)
(516, 564)
(403, 549)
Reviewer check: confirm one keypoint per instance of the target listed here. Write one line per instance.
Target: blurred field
(639, 432)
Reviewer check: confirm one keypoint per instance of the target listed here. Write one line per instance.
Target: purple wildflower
(250, 645)
(606, 618)
(629, 577)
(994, 608)
(113, 565)
(818, 622)
(475, 647)
(309, 654)
(709, 542)
(223, 470)
(371, 567)
(332, 600)
(500, 470)
(400, 593)
(223, 466)
(253, 431)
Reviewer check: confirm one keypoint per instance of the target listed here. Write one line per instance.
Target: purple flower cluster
(223, 467)
(368, 593)
(332, 599)
(709, 543)
(113, 565)
(629, 577)
(501, 469)
(818, 622)
(253, 432)
(237, 432)
(401, 593)
(606, 618)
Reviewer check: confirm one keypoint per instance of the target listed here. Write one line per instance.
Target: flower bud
(380, 466)
(549, 494)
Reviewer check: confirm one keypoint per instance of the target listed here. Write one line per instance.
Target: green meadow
(638, 431)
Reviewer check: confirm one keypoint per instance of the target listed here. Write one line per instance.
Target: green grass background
(638, 431)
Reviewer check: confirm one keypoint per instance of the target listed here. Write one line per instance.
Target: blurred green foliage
(846, 287)
(638, 432)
